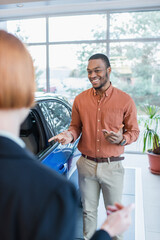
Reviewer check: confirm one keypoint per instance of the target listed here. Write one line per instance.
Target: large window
(33, 33)
(61, 45)
(77, 28)
(136, 70)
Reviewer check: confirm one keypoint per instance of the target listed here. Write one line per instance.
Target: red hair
(17, 78)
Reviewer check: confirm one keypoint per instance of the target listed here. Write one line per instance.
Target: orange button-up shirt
(90, 115)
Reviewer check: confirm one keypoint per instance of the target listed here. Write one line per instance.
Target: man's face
(97, 73)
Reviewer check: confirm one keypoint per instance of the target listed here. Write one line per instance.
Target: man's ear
(109, 69)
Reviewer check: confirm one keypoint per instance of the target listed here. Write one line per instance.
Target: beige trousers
(94, 177)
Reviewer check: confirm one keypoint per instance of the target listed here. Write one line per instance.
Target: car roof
(42, 96)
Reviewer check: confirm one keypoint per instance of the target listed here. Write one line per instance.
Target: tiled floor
(143, 188)
(150, 195)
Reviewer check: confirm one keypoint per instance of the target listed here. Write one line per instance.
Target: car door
(57, 115)
(47, 118)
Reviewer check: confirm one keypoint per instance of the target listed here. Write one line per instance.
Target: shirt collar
(13, 138)
(107, 92)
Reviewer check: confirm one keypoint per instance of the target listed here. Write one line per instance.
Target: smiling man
(106, 118)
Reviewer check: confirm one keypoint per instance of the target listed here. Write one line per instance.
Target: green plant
(151, 122)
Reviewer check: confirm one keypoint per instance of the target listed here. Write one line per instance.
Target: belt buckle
(97, 159)
(108, 159)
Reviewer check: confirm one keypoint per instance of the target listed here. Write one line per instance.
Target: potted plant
(151, 136)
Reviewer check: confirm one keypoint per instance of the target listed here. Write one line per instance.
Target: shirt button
(98, 130)
(99, 109)
(97, 150)
(98, 120)
(97, 140)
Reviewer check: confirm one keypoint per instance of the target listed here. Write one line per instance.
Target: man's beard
(97, 88)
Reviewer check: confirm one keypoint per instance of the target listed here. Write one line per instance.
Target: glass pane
(68, 64)
(71, 28)
(135, 25)
(38, 54)
(28, 30)
(3, 25)
(46, 113)
(57, 116)
(136, 70)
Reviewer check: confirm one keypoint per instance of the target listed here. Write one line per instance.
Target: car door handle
(62, 168)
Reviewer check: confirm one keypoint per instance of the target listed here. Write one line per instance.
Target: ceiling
(17, 1)
(15, 8)
(5, 2)
(55, 2)
(52, 1)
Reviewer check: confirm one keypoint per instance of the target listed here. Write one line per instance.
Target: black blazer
(36, 203)
(101, 235)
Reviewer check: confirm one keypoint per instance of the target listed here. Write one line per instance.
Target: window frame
(107, 41)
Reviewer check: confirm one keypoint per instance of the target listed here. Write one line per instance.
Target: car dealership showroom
(60, 36)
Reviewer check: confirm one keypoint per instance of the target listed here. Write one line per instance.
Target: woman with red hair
(32, 202)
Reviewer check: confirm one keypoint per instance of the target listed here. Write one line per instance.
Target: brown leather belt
(100, 160)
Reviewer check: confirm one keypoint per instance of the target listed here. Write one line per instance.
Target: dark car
(50, 116)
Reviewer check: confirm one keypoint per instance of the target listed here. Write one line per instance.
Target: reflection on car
(50, 116)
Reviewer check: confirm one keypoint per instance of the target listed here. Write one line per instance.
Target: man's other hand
(114, 137)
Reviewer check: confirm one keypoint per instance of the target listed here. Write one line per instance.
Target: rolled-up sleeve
(76, 125)
(131, 130)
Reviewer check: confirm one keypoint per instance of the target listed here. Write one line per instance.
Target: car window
(57, 115)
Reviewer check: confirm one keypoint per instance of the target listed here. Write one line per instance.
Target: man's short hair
(101, 56)
(17, 78)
